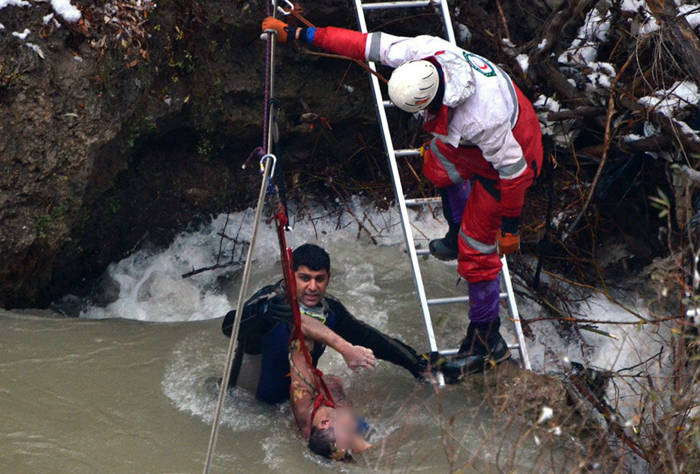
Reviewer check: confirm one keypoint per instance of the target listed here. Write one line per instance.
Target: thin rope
(268, 163)
(268, 68)
(237, 321)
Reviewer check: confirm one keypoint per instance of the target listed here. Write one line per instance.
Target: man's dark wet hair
(311, 256)
(322, 442)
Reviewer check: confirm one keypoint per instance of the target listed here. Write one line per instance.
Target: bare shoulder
(335, 385)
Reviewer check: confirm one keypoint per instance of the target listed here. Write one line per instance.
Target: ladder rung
(451, 352)
(407, 152)
(405, 4)
(455, 300)
(450, 300)
(388, 103)
(422, 252)
(423, 201)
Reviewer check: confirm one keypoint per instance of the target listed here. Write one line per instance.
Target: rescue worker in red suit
(486, 151)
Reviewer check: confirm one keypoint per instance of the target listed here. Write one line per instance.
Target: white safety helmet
(413, 85)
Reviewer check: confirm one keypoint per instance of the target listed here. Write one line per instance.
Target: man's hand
(277, 308)
(278, 26)
(507, 243)
(358, 357)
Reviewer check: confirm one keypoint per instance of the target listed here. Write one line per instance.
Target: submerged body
(323, 410)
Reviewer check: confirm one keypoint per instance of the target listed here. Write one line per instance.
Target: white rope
(268, 160)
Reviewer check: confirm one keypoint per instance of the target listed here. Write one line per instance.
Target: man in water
(331, 428)
(261, 364)
(485, 152)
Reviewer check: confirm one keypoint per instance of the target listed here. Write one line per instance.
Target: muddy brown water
(114, 395)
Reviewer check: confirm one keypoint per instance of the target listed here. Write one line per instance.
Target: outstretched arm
(387, 49)
(356, 357)
(383, 346)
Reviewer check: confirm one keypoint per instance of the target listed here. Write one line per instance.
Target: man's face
(311, 285)
(344, 424)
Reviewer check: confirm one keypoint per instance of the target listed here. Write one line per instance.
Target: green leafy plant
(661, 202)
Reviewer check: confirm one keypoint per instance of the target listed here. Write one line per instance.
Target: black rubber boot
(482, 348)
(430, 363)
(446, 249)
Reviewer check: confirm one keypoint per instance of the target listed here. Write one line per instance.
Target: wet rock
(68, 305)
(106, 291)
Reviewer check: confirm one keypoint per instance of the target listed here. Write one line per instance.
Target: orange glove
(507, 243)
(278, 26)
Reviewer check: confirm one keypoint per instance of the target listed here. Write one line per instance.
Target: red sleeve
(513, 194)
(341, 41)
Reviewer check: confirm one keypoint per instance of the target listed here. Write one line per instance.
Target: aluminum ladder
(393, 154)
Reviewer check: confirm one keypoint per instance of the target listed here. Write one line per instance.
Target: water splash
(151, 287)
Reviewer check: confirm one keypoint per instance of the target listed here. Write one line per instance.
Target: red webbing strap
(324, 397)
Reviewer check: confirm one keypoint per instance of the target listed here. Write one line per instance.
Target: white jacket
(482, 98)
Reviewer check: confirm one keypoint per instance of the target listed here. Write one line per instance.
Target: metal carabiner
(283, 11)
(274, 163)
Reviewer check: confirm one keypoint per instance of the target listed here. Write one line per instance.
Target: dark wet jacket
(268, 337)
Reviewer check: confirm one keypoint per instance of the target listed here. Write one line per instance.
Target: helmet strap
(436, 103)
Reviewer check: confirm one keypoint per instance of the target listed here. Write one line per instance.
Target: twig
(221, 240)
(503, 20)
(599, 172)
(212, 267)
(607, 412)
(350, 211)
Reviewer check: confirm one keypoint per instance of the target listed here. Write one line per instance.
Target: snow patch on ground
(632, 5)
(524, 61)
(670, 101)
(23, 35)
(691, 13)
(602, 75)
(67, 10)
(15, 3)
(649, 26)
(543, 106)
(688, 131)
(548, 103)
(36, 49)
(581, 56)
(464, 35)
(584, 49)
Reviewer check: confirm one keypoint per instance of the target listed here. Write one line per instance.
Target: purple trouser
(456, 196)
(484, 300)
(484, 295)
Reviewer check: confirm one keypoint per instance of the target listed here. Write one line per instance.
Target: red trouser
(446, 165)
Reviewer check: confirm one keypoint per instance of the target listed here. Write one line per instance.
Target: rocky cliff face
(131, 124)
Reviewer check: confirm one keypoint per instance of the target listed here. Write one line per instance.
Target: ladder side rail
(522, 346)
(447, 22)
(398, 188)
